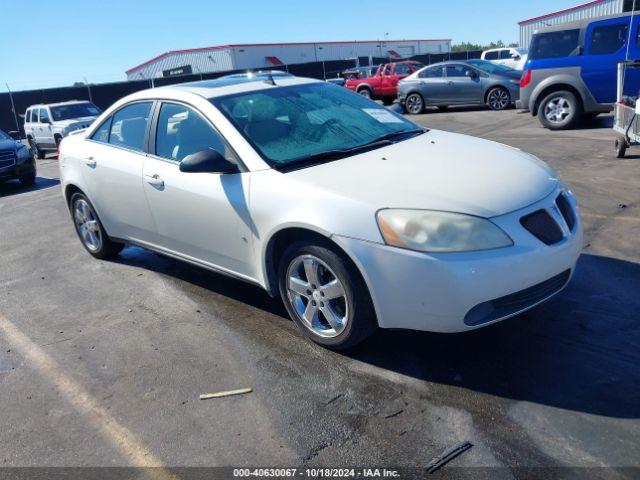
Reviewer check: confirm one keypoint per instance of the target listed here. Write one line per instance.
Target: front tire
(560, 110)
(39, 154)
(28, 180)
(414, 104)
(499, 98)
(90, 230)
(325, 296)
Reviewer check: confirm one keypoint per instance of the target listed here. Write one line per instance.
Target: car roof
(579, 23)
(58, 104)
(230, 85)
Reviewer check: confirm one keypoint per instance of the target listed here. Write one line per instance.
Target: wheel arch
(279, 241)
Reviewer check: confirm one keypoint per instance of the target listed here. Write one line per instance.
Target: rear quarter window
(608, 39)
(491, 55)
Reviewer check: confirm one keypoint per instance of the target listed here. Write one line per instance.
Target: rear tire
(90, 230)
(560, 110)
(325, 296)
(388, 101)
(499, 98)
(365, 92)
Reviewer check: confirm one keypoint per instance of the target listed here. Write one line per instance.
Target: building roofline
(566, 10)
(240, 45)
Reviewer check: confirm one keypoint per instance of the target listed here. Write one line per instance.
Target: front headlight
(434, 231)
(22, 154)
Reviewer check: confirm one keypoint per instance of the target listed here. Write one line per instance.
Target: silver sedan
(460, 83)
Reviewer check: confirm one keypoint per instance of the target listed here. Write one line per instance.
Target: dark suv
(16, 160)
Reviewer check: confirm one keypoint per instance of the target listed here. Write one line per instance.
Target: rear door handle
(90, 162)
(154, 180)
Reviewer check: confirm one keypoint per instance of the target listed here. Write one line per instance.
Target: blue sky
(60, 42)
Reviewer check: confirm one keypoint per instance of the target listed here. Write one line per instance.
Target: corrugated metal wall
(255, 56)
(607, 7)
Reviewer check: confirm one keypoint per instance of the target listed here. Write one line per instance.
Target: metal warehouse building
(248, 56)
(596, 8)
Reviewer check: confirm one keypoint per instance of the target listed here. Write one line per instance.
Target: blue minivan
(572, 69)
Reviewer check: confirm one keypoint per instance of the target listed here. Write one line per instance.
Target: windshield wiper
(337, 154)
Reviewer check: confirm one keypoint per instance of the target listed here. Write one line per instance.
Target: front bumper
(18, 170)
(438, 292)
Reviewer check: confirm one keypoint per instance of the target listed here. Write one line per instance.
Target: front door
(113, 173)
(464, 84)
(45, 129)
(200, 216)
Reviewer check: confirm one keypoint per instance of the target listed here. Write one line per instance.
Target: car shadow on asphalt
(14, 187)
(579, 351)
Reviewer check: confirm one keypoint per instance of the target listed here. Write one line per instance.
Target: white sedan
(355, 216)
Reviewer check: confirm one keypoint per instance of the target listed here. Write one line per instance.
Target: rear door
(432, 85)
(201, 216)
(464, 84)
(605, 46)
(112, 169)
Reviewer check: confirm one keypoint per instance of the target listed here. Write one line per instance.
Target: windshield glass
(489, 67)
(4, 136)
(554, 44)
(74, 110)
(290, 124)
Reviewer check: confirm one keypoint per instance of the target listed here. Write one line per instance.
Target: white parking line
(84, 402)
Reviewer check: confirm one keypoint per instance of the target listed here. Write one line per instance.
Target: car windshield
(4, 136)
(489, 67)
(74, 110)
(295, 124)
(554, 44)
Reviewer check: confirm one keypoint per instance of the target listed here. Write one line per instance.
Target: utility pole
(13, 107)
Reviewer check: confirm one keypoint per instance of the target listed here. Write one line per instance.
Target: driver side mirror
(471, 74)
(15, 135)
(207, 161)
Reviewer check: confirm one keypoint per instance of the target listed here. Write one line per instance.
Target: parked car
(357, 217)
(509, 57)
(46, 125)
(384, 84)
(259, 74)
(354, 73)
(460, 83)
(571, 71)
(16, 160)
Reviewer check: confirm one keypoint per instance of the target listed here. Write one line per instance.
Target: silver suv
(46, 125)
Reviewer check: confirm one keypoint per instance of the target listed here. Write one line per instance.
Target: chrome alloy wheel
(499, 99)
(87, 225)
(317, 296)
(413, 104)
(557, 109)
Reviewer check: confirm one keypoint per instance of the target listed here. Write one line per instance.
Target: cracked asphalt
(102, 362)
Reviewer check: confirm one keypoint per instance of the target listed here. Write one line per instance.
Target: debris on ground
(622, 205)
(228, 393)
(447, 456)
(394, 414)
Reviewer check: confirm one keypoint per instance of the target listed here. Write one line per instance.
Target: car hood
(7, 145)
(75, 121)
(437, 171)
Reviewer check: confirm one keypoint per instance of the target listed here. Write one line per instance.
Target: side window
(491, 55)
(402, 69)
(505, 54)
(457, 70)
(182, 131)
(387, 70)
(102, 133)
(44, 113)
(433, 72)
(608, 39)
(129, 125)
(27, 116)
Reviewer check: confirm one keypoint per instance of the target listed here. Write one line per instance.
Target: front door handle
(154, 180)
(90, 162)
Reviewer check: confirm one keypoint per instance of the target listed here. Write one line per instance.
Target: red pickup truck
(384, 84)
